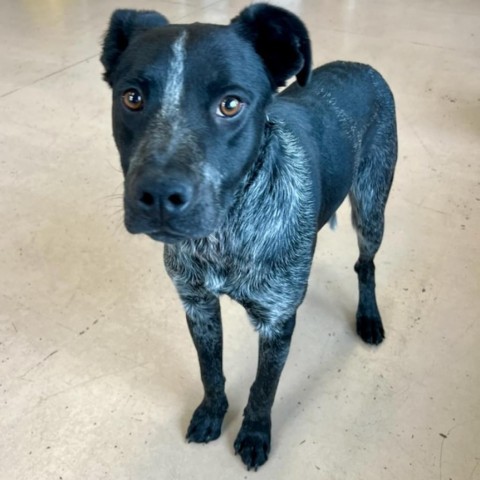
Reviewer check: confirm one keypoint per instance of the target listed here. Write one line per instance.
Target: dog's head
(189, 110)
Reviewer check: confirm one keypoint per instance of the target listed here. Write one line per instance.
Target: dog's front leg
(253, 440)
(205, 325)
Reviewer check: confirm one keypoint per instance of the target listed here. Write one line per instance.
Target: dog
(236, 179)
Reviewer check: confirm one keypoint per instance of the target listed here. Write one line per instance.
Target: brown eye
(133, 100)
(229, 107)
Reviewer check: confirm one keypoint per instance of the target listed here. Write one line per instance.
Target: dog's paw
(370, 329)
(253, 443)
(206, 422)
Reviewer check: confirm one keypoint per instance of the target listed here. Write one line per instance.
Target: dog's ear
(124, 26)
(281, 40)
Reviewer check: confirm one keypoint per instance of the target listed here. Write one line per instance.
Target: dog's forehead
(199, 35)
(200, 50)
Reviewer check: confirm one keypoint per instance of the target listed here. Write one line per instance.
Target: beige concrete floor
(98, 375)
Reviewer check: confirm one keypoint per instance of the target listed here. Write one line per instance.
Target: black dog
(237, 180)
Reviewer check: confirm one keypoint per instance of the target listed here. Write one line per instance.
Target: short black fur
(280, 39)
(124, 26)
(238, 199)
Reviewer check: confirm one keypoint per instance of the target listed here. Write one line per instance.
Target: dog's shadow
(323, 343)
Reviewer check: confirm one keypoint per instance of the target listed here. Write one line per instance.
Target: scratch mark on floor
(445, 437)
(90, 380)
(41, 362)
(475, 468)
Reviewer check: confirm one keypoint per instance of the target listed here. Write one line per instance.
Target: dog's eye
(133, 100)
(229, 107)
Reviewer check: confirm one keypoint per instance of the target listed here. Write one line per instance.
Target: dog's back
(346, 110)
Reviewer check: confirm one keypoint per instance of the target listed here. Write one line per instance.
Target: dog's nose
(171, 196)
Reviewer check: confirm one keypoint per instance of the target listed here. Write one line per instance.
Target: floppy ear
(281, 40)
(124, 26)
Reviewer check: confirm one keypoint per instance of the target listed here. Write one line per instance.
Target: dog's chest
(216, 266)
(218, 282)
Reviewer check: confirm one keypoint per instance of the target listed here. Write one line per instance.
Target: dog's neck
(273, 198)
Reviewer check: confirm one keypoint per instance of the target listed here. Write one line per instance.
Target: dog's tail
(332, 223)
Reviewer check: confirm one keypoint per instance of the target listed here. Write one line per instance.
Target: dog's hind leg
(368, 197)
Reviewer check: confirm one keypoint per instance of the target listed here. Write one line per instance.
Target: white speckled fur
(172, 94)
(260, 254)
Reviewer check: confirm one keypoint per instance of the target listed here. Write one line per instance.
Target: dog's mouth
(166, 237)
(163, 234)
(173, 231)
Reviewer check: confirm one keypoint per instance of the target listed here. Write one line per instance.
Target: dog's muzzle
(167, 207)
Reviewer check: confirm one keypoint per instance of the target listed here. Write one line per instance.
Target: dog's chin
(169, 238)
(167, 234)
(175, 237)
